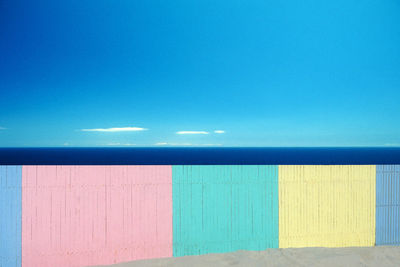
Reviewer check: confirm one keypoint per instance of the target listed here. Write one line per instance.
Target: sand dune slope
(326, 257)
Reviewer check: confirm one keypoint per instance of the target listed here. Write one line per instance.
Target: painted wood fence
(388, 205)
(224, 208)
(10, 216)
(95, 215)
(326, 206)
(89, 215)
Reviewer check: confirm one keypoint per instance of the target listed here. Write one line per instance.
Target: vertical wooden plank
(10, 216)
(388, 205)
(329, 206)
(224, 208)
(89, 215)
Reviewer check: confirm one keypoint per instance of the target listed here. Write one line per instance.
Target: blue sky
(266, 73)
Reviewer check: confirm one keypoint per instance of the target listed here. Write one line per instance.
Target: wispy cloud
(393, 144)
(120, 144)
(210, 145)
(172, 144)
(219, 131)
(2, 128)
(161, 144)
(112, 130)
(192, 132)
(184, 144)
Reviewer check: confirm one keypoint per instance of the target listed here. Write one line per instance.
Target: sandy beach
(326, 257)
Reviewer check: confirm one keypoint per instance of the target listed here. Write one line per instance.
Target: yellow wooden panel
(326, 206)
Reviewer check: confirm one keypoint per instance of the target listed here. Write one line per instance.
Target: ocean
(200, 156)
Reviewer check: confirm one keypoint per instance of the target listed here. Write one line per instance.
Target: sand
(326, 257)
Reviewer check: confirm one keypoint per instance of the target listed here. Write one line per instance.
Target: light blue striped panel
(10, 216)
(388, 205)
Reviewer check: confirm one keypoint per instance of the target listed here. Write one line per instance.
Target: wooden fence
(92, 215)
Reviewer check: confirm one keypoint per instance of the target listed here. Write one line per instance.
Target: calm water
(193, 156)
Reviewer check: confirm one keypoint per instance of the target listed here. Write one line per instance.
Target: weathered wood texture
(10, 216)
(88, 215)
(388, 205)
(329, 206)
(224, 208)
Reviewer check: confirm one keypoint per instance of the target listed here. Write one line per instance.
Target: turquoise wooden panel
(224, 208)
(10, 215)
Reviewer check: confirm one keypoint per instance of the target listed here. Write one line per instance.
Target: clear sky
(260, 73)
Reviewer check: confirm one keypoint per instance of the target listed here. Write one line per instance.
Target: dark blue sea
(198, 156)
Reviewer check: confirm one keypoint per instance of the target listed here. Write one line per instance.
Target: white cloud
(113, 144)
(66, 144)
(184, 144)
(192, 132)
(219, 131)
(120, 144)
(211, 145)
(161, 144)
(172, 144)
(393, 144)
(121, 129)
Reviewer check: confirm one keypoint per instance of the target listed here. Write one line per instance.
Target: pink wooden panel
(88, 215)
